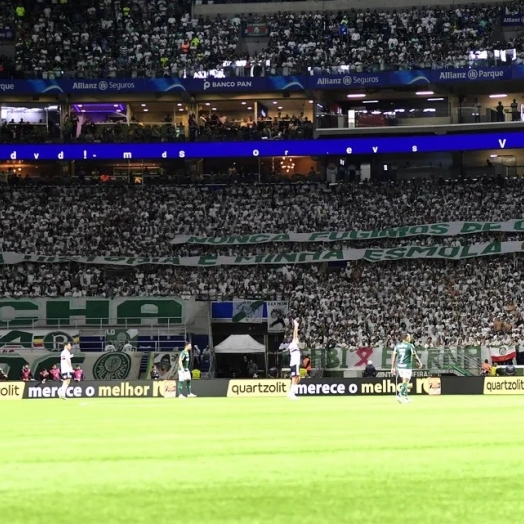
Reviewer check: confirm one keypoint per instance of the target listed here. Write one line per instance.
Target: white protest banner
(440, 229)
(304, 257)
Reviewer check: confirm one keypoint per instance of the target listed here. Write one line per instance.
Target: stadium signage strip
(496, 141)
(305, 257)
(515, 20)
(179, 86)
(100, 389)
(141, 389)
(440, 229)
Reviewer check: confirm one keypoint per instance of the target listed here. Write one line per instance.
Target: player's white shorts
(294, 364)
(405, 373)
(184, 375)
(66, 375)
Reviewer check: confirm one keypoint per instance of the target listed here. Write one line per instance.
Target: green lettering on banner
(18, 338)
(94, 311)
(207, 260)
(332, 360)
(413, 252)
(471, 227)
(10, 313)
(448, 252)
(371, 255)
(284, 237)
(197, 240)
(60, 313)
(344, 362)
(386, 358)
(492, 249)
(49, 340)
(433, 359)
(134, 312)
(439, 229)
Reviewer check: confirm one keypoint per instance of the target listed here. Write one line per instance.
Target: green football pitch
(317, 460)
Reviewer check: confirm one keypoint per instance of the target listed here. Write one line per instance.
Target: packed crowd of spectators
(443, 302)
(157, 38)
(143, 220)
(92, 38)
(423, 38)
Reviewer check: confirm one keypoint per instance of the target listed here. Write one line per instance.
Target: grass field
(318, 460)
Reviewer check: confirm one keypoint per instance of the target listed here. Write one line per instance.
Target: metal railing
(169, 323)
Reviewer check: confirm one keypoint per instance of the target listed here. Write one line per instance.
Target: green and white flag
(121, 339)
(248, 311)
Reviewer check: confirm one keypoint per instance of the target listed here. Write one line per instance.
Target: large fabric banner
(441, 229)
(50, 340)
(277, 313)
(304, 257)
(91, 311)
(96, 366)
(434, 359)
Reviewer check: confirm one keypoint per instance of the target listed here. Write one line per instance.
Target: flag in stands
(502, 353)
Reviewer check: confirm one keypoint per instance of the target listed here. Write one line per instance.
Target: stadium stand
(157, 38)
(443, 302)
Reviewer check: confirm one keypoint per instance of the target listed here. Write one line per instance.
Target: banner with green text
(443, 359)
(92, 311)
(304, 257)
(443, 229)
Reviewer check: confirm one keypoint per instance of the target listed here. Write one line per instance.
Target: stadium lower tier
(442, 302)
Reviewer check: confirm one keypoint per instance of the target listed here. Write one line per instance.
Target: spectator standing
(500, 112)
(515, 115)
(252, 369)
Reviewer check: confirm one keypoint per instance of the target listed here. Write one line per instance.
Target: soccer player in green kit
(403, 356)
(184, 375)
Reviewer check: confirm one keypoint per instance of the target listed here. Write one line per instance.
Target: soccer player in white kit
(66, 370)
(294, 362)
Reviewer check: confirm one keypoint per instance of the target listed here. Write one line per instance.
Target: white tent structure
(240, 345)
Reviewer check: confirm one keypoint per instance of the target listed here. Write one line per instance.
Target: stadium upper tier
(98, 38)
